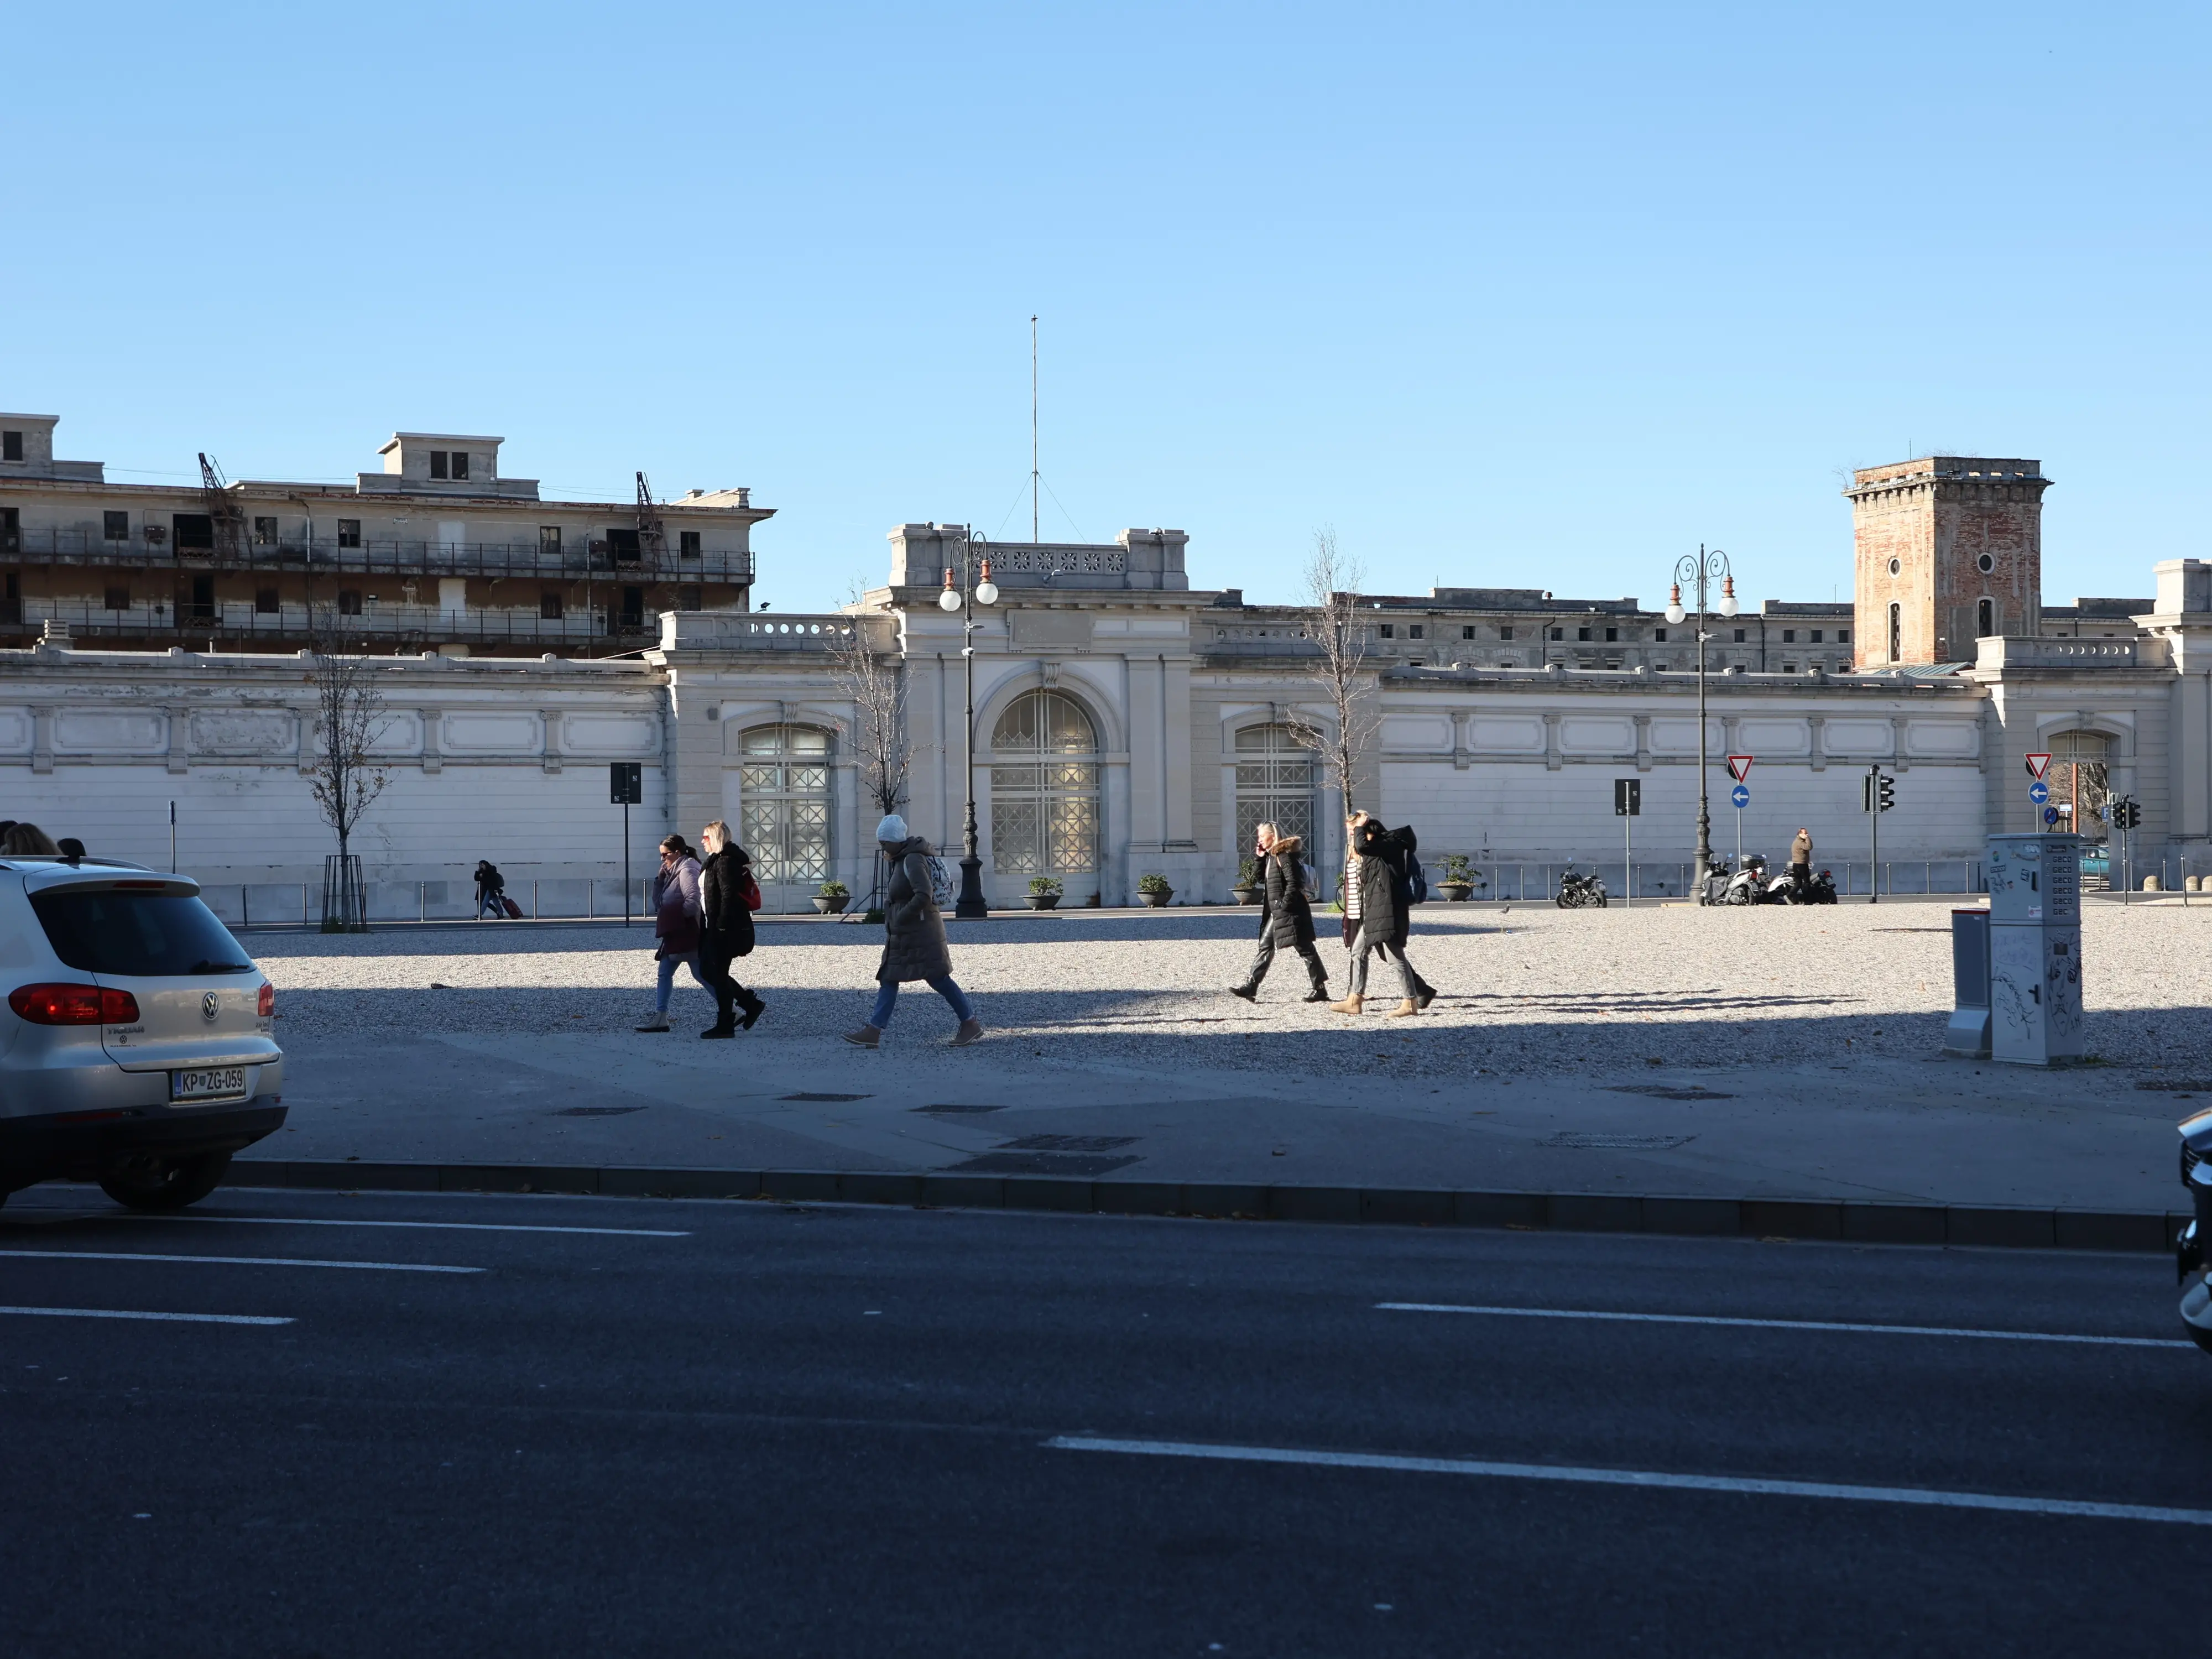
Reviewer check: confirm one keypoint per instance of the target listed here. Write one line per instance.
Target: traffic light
(1877, 791)
(1887, 787)
(2122, 812)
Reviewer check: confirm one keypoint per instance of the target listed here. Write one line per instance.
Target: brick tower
(1949, 548)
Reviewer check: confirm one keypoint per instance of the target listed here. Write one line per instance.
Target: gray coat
(913, 928)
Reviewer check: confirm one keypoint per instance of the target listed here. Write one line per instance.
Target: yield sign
(2038, 765)
(1740, 766)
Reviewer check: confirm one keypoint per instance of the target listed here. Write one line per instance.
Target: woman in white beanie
(915, 945)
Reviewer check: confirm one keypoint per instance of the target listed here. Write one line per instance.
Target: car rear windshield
(149, 935)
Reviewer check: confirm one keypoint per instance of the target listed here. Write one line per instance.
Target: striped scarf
(1351, 885)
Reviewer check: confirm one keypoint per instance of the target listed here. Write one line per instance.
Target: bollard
(1967, 1036)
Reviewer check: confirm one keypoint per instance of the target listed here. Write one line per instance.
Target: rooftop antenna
(1033, 429)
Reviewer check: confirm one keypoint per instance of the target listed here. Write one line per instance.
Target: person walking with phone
(915, 945)
(1377, 905)
(728, 895)
(676, 911)
(1286, 915)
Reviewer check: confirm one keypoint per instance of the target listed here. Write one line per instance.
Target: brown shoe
(969, 1031)
(864, 1038)
(1405, 1010)
(1350, 1005)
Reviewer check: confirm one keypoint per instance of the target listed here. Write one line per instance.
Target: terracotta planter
(1158, 900)
(1456, 891)
(831, 907)
(1043, 901)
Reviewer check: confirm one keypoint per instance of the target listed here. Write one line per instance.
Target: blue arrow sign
(2051, 815)
(1741, 796)
(2038, 791)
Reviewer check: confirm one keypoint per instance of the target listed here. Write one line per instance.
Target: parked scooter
(1748, 885)
(1580, 892)
(1820, 890)
(2189, 1249)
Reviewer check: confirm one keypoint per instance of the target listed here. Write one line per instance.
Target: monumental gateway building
(156, 661)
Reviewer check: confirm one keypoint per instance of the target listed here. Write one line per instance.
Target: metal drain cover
(1586, 1141)
(1669, 1091)
(1069, 1143)
(948, 1110)
(596, 1111)
(810, 1096)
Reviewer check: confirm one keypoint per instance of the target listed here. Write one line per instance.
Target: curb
(1839, 1220)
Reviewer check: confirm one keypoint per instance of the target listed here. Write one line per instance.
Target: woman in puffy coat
(726, 928)
(915, 945)
(1286, 918)
(1378, 912)
(675, 925)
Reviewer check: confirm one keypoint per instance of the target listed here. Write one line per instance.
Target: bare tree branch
(342, 773)
(1333, 580)
(876, 685)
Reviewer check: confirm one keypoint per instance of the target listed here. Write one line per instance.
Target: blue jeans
(887, 999)
(668, 966)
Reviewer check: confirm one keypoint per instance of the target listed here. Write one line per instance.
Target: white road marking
(447, 1226)
(120, 1313)
(1787, 1324)
(240, 1261)
(1653, 1479)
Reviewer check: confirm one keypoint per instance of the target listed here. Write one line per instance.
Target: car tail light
(73, 1005)
(265, 1004)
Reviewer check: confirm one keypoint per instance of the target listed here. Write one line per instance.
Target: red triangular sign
(1741, 766)
(2038, 765)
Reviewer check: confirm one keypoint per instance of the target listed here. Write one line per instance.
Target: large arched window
(784, 796)
(2079, 777)
(1044, 788)
(1274, 784)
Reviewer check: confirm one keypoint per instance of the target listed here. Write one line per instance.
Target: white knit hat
(893, 828)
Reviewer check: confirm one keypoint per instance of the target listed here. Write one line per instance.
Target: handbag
(752, 892)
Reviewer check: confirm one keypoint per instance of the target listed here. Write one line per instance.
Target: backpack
(752, 890)
(942, 886)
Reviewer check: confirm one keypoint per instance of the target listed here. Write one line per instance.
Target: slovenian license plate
(216, 1083)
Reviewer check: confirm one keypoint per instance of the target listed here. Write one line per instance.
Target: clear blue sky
(1513, 295)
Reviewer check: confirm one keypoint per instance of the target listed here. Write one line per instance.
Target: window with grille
(1044, 788)
(349, 532)
(783, 787)
(1274, 784)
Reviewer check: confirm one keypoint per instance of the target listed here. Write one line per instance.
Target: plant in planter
(831, 897)
(1248, 882)
(1153, 889)
(1044, 892)
(1459, 879)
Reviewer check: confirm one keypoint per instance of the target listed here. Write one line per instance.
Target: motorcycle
(1821, 890)
(1580, 892)
(2189, 1249)
(1748, 885)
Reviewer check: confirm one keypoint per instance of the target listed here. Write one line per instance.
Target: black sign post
(626, 789)
(1627, 806)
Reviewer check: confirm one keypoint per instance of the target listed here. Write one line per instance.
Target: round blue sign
(2051, 815)
(1740, 795)
(2038, 791)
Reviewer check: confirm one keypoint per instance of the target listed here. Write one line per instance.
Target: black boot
(753, 1006)
(1247, 990)
(725, 1023)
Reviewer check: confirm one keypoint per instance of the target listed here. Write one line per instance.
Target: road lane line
(1786, 1324)
(120, 1313)
(447, 1226)
(238, 1260)
(1923, 1496)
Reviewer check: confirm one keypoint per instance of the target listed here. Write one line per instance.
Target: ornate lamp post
(1706, 568)
(975, 587)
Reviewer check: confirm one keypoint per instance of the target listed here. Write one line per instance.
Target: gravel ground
(1526, 989)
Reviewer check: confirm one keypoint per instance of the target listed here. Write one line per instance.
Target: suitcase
(513, 909)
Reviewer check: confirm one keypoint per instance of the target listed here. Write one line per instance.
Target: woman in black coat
(726, 928)
(1286, 916)
(1378, 912)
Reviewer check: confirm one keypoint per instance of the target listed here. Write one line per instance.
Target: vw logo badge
(211, 1006)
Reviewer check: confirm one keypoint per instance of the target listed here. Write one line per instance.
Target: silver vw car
(137, 1050)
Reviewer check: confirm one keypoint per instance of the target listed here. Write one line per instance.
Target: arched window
(1044, 788)
(2079, 777)
(783, 817)
(1274, 784)
(1985, 619)
(1896, 632)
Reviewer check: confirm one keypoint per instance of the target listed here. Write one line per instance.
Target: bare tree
(878, 689)
(1332, 580)
(342, 773)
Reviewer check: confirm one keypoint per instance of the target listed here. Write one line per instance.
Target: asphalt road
(545, 1425)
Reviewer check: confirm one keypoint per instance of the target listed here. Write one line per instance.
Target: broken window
(460, 463)
(265, 602)
(349, 534)
(119, 598)
(549, 605)
(193, 530)
(265, 532)
(622, 546)
(11, 446)
(687, 544)
(633, 607)
(688, 596)
(116, 526)
(437, 463)
(348, 601)
(202, 608)
(11, 530)
(548, 539)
